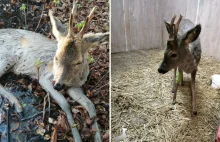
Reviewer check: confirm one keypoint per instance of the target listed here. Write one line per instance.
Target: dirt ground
(142, 100)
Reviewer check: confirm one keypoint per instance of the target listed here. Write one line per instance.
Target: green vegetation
(90, 59)
(56, 2)
(80, 25)
(23, 7)
(38, 63)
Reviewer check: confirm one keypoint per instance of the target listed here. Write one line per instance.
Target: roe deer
(183, 52)
(63, 62)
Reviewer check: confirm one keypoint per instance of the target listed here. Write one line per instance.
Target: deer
(182, 53)
(63, 63)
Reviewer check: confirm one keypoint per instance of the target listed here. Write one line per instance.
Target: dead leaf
(2, 117)
(15, 127)
(40, 131)
(18, 132)
(47, 137)
(70, 139)
(75, 111)
(51, 120)
(87, 132)
(54, 135)
(106, 136)
(62, 124)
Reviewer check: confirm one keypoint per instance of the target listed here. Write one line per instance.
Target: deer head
(69, 62)
(177, 45)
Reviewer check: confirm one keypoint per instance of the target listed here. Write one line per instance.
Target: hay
(142, 100)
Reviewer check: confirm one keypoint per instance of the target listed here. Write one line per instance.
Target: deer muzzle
(58, 86)
(161, 70)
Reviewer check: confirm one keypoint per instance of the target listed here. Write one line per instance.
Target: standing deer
(183, 51)
(63, 63)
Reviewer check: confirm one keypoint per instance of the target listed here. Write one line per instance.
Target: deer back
(22, 49)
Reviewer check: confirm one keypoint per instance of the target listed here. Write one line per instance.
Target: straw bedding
(142, 100)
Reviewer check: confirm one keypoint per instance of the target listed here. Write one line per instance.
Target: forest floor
(37, 126)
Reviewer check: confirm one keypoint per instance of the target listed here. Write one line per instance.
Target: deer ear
(192, 34)
(91, 40)
(58, 29)
(168, 26)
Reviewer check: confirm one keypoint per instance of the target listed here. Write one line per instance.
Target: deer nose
(58, 86)
(161, 70)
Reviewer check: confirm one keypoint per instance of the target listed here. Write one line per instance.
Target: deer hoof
(172, 90)
(195, 112)
(174, 102)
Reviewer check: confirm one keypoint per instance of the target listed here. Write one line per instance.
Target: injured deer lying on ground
(183, 51)
(63, 63)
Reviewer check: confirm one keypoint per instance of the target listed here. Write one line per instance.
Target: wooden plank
(127, 24)
(118, 41)
(134, 7)
(208, 17)
(191, 10)
(156, 21)
(145, 24)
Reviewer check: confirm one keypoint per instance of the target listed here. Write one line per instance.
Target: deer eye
(174, 55)
(56, 59)
(78, 63)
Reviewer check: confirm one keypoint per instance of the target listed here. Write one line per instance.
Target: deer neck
(187, 62)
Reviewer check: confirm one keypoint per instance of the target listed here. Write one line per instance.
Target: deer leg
(175, 86)
(12, 99)
(175, 92)
(62, 102)
(174, 81)
(78, 95)
(193, 77)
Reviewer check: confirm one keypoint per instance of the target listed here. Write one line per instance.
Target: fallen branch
(40, 19)
(35, 115)
(99, 81)
(44, 106)
(12, 99)
(7, 107)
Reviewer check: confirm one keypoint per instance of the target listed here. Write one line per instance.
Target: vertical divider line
(110, 71)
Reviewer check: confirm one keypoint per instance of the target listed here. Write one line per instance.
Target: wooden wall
(138, 24)
(135, 24)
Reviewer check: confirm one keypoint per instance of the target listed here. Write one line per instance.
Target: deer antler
(171, 26)
(174, 27)
(88, 19)
(172, 20)
(72, 18)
